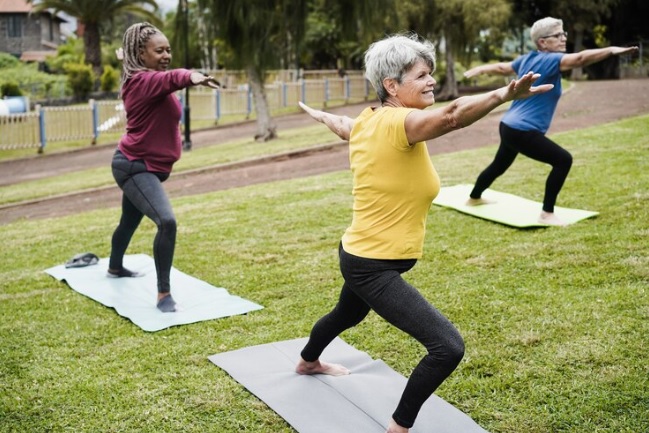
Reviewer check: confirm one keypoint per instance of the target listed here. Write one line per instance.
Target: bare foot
(551, 219)
(317, 367)
(479, 201)
(393, 427)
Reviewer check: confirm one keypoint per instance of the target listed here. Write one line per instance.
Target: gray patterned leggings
(143, 195)
(378, 285)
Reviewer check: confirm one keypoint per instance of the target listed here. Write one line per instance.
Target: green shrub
(109, 79)
(10, 88)
(34, 83)
(8, 61)
(81, 79)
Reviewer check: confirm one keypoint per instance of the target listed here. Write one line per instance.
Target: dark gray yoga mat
(362, 402)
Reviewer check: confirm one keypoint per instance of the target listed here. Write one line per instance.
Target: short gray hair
(393, 56)
(544, 26)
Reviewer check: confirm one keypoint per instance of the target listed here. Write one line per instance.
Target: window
(15, 26)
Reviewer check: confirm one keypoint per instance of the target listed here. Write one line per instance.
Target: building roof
(21, 6)
(14, 6)
(36, 56)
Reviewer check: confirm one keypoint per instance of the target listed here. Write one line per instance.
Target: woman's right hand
(522, 88)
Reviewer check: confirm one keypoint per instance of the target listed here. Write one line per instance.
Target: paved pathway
(586, 104)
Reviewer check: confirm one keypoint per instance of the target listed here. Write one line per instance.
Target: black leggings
(378, 285)
(143, 195)
(532, 144)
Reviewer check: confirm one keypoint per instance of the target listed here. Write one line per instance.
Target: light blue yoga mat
(135, 298)
(508, 209)
(361, 402)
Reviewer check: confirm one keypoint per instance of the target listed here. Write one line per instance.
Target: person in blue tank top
(523, 127)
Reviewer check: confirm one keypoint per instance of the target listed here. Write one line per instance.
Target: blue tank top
(535, 113)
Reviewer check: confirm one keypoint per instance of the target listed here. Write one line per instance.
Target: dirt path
(586, 104)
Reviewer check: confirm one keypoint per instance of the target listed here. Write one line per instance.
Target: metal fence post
(182, 104)
(249, 107)
(284, 94)
(41, 127)
(347, 88)
(218, 104)
(95, 120)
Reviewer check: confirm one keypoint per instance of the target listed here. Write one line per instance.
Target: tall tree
(266, 33)
(579, 18)
(92, 14)
(253, 29)
(460, 23)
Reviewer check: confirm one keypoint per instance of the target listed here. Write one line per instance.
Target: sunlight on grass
(555, 320)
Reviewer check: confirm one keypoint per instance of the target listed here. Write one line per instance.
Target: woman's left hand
(204, 80)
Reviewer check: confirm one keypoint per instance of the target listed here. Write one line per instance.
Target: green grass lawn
(555, 320)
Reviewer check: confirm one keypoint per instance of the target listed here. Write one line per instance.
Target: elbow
(453, 123)
(453, 120)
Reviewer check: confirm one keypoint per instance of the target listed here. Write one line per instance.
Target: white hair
(394, 56)
(543, 27)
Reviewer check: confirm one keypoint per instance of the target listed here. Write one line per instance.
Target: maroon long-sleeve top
(153, 114)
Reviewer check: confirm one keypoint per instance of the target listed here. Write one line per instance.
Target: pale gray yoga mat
(135, 298)
(508, 209)
(361, 402)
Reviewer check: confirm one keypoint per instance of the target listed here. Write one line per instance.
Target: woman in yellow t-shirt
(394, 184)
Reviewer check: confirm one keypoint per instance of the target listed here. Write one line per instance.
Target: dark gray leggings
(532, 144)
(378, 285)
(143, 195)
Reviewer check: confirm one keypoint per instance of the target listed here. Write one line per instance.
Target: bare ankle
(393, 427)
(551, 219)
(479, 201)
(317, 367)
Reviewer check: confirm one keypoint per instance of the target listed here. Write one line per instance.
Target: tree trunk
(577, 73)
(450, 90)
(266, 128)
(92, 47)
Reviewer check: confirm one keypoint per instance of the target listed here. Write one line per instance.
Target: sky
(163, 5)
(167, 5)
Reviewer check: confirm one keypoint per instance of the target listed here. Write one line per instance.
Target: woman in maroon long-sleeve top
(146, 153)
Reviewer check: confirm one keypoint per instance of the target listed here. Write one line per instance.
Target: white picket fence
(80, 122)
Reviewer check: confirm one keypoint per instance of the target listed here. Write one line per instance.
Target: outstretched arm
(503, 68)
(339, 125)
(424, 125)
(204, 80)
(588, 57)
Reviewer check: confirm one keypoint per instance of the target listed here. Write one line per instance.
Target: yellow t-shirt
(394, 185)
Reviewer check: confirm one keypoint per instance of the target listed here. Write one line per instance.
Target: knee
(450, 352)
(455, 351)
(168, 225)
(565, 161)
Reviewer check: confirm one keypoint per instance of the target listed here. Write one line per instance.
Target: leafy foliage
(92, 14)
(10, 88)
(8, 61)
(109, 79)
(81, 79)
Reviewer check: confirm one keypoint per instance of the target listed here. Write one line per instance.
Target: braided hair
(135, 39)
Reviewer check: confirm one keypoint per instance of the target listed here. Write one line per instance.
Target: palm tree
(253, 29)
(92, 13)
(260, 32)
